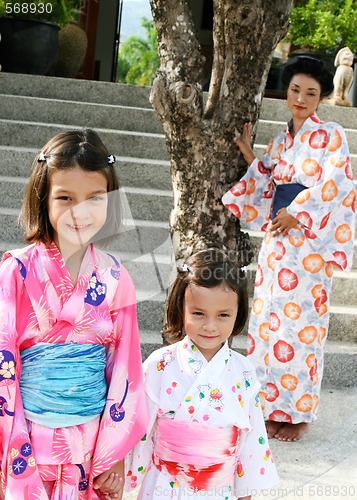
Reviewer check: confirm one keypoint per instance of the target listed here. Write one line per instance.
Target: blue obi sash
(284, 195)
(63, 384)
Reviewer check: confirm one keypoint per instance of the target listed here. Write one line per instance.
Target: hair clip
(243, 269)
(111, 159)
(41, 157)
(185, 269)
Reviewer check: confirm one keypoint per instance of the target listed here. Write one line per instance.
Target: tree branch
(179, 49)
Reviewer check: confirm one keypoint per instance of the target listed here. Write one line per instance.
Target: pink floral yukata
(290, 314)
(206, 433)
(39, 304)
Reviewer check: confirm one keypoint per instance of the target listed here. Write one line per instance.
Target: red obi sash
(194, 454)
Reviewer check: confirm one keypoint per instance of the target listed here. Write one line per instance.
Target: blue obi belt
(284, 195)
(63, 384)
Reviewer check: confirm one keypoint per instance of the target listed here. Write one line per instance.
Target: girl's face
(303, 96)
(209, 317)
(77, 207)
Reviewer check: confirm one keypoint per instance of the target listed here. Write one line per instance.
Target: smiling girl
(206, 434)
(71, 396)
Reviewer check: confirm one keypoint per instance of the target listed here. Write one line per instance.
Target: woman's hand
(110, 484)
(283, 222)
(245, 143)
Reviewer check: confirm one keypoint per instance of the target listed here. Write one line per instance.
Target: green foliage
(324, 25)
(139, 58)
(60, 12)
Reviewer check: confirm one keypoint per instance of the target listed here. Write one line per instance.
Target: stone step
(78, 114)
(137, 96)
(151, 173)
(93, 115)
(104, 116)
(132, 172)
(34, 135)
(74, 90)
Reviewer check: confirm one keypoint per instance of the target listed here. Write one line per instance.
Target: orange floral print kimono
(41, 309)
(290, 314)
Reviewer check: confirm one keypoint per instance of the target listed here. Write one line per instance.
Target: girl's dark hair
(308, 66)
(208, 268)
(82, 148)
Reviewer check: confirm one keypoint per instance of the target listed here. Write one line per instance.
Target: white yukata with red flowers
(290, 314)
(211, 409)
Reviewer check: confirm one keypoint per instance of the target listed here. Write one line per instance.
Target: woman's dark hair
(208, 268)
(82, 148)
(309, 66)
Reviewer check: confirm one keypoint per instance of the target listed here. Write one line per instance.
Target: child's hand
(110, 484)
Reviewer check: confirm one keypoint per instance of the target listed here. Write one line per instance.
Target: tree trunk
(204, 159)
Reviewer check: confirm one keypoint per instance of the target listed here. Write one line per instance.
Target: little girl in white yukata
(206, 434)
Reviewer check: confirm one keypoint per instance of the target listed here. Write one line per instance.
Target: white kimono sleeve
(139, 458)
(250, 199)
(255, 470)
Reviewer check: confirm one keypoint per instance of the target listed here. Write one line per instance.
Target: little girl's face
(77, 206)
(209, 316)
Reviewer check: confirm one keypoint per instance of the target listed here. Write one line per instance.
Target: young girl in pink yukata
(72, 401)
(206, 433)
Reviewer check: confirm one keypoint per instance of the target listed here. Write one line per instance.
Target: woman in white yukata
(301, 193)
(206, 433)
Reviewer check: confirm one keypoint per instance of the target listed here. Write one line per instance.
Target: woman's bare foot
(292, 432)
(272, 428)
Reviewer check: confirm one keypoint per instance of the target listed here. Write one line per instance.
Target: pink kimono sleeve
(9, 367)
(124, 419)
(13, 429)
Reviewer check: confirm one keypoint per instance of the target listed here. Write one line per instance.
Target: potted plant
(323, 27)
(29, 33)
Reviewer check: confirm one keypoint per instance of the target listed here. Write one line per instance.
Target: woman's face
(303, 97)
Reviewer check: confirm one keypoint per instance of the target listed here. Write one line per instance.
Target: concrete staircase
(34, 108)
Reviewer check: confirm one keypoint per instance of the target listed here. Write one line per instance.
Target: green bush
(60, 12)
(324, 25)
(138, 57)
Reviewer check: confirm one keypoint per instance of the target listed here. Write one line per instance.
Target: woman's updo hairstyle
(309, 66)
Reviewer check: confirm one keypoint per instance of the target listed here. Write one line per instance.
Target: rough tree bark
(204, 159)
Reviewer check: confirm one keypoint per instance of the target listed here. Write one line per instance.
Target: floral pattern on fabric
(290, 312)
(38, 303)
(215, 396)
